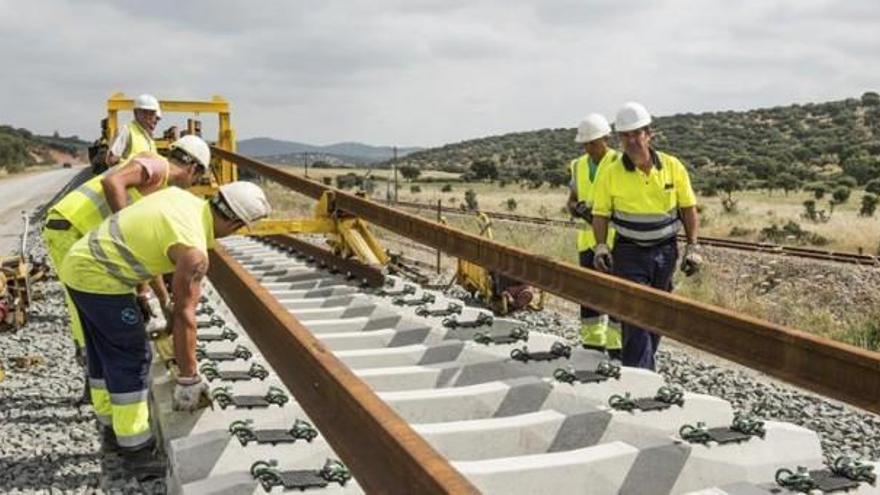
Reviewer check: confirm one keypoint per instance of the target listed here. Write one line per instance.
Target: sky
(428, 72)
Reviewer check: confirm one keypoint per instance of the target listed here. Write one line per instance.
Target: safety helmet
(631, 116)
(594, 126)
(147, 102)
(195, 147)
(246, 200)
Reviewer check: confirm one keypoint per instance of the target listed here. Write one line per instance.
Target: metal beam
(385, 454)
(831, 368)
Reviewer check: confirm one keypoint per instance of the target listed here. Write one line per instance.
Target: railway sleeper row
(561, 419)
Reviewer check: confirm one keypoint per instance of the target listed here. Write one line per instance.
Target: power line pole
(306, 162)
(395, 174)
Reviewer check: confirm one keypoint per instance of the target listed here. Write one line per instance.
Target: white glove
(602, 258)
(190, 393)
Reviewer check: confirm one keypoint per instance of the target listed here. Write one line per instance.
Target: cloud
(427, 72)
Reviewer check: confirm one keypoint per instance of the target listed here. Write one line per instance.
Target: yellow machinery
(222, 171)
(495, 290)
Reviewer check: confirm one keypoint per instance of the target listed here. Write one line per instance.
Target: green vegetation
(776, 149)
(19, 148)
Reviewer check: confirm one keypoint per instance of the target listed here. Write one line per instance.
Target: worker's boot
(615, 354)
(108, 439)
(145, 463)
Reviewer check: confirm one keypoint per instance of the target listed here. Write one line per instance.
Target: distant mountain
(356, 153)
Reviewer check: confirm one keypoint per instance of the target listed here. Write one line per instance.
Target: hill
(20, 148)
(291, 151)
(794, 143)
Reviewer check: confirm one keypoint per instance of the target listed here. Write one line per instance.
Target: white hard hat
(631, 116)
(246, 200)
(594, 126)
(195, 147)
(147, 102)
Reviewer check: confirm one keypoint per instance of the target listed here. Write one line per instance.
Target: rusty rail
(385, 454)
(370, 275)
(830, 368)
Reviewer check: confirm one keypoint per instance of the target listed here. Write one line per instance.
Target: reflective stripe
(127, 255)
(97, 383)
(646, 217)
(96, 198)
(131, 441)
(100, 256)
(650, 236)
(129, 397)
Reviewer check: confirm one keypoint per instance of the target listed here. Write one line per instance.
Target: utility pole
(306, 162)
(395, 174)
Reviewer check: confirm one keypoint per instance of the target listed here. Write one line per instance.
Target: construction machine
(500, 293)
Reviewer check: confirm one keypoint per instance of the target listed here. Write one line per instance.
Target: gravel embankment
(48, 441)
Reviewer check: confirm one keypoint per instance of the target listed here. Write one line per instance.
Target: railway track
(326, 376)
(387, 376)
(763, 247)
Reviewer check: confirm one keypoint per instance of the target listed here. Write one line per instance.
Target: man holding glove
(646, 195)
(597, 331)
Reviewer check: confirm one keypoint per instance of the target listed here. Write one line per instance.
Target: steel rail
(383, 451)
(819, 364)
(799, 252)
(370, 275)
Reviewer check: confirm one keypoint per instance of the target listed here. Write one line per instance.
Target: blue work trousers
(646, 265)
(119, 358)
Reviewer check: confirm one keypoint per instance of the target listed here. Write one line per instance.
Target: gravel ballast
(48, 441)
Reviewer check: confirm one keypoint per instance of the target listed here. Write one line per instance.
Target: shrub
(840, 195)
(738, 231)
(511, 204)
(873, 186)
(415, 189)
(791, 232)
(327, 181)
(446, 188)
(470, 199)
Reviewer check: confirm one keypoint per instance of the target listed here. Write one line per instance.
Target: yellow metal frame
(348, 236)
(223, 171)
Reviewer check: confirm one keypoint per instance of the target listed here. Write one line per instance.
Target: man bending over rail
(169, 231)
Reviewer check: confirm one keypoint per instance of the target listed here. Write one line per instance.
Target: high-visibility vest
(644, 207)
(138, 142)
(584, 187)
(86, 206)
(131, 246)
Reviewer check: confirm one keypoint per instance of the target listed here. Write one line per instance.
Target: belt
(645, 244)
(58, 224)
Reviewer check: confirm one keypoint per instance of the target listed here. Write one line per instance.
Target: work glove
(581, 210)
(190, 393)
(602, 258)
(692, 260)
(143, 302)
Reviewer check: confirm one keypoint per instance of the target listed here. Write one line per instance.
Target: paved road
(26, 193)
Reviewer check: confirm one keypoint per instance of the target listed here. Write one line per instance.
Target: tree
(869, 205)
(870, 99)
(840, 195)
(410, 172)
(556, 177)
(484, 169)
(787, 182)
(873, 186)
(511, 204)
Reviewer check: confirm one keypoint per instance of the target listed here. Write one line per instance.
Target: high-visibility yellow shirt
(643, 207)
(86, 206)
(132, 139)
(131, 246)
(584, 186)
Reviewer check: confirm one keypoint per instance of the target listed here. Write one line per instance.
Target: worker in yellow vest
(81, 210)
(646, 195)
(597, 330)
(136, 136)
(169, 231)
